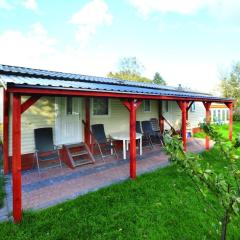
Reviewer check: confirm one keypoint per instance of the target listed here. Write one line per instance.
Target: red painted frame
(207, 106)
(16, 158)
(230, 106)
(132, 106)
(183, 106)
(29, 102)
(45, 91)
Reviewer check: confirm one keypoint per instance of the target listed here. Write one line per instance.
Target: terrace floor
(57, 185)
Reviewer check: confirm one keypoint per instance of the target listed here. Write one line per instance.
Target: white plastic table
(125, 137)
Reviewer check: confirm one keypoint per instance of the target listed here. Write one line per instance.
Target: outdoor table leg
(140, 147)
(124, 149)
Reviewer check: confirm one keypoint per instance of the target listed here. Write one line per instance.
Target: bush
(236, 114)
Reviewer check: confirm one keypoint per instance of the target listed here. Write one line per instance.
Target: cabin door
(68, 120)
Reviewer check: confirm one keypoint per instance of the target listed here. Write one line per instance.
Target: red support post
(230, 106)
(16, 158)
(207, 106)
(183, 106)
(87, 120)
(161, 118)
(132, 106)
(6, 99)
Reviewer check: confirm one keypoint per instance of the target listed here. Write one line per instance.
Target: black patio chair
(155, 124)
(138, 127)
(150, 135)
(45, 150)
(103, 143)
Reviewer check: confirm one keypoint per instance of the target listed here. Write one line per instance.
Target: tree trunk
(224, 226)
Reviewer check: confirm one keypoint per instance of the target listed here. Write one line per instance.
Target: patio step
(79, 157)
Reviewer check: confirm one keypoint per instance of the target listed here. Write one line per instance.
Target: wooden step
(82, 162)
(76, 154)
(74, 157)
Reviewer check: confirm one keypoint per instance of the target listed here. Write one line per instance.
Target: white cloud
(30, 4)
(89, 18)
(217, 7)
(5, 5)
(37, 49)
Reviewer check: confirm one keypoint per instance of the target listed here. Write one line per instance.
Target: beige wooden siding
(41, 114)
(175, 118)
(118, 119)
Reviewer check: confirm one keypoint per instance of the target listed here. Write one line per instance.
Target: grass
(223, 129)
(158, 205)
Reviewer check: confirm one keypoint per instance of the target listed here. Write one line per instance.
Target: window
(147, 106)
(100, 106)
(219, 115)
(223, 115)
(215, 115)
(69, 105)
(193, 107)
(227, 114)
(166, 106)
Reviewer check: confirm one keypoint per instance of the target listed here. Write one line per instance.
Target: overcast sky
(187, 41)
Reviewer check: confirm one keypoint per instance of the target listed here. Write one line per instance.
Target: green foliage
(226, 188)
(130, 69)
(158, 205)
(223, 130)
(230, 83)
(157, 79)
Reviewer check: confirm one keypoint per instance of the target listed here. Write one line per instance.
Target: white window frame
(150, 106)
(103, 115)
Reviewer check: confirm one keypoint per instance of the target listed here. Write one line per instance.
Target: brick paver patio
(57, 185)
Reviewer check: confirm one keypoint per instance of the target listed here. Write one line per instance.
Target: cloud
(219, 8)
(36, 48)
(91, 16)
(30, 4)
(5, 5)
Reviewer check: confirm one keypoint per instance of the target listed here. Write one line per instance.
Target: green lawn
(223, 129)
(158, 205)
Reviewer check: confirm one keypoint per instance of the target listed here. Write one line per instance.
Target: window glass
(147, 106)
(214, 115)
(219, 115)
(223, 115)
(69, 106)
(100, 106)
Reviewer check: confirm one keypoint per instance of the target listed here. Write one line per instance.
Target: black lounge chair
(155, 124)
(150, 135)
(45, 150)
(138, 127)
(103, 143)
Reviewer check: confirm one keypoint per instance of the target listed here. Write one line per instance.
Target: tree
(130, 69)
(225, 187)
(157, 79)
(230, 83)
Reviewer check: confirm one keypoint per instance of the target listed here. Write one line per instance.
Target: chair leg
(150, 141)
(101, 152)
(59, 157)
(38, 166)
